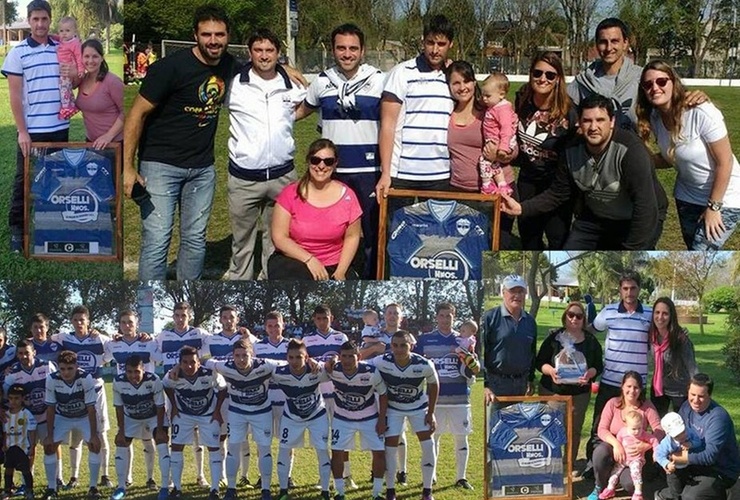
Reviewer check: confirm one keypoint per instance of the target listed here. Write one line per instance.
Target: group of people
(42, 72)
(694, 443)
(216, 387)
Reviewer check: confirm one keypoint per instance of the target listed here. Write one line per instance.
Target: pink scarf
(659, 350)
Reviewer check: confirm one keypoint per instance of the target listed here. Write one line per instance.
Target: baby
(677, 438)
(632, 433)
(371, 330)
(466, 340)
(68, 52)
(499, 128)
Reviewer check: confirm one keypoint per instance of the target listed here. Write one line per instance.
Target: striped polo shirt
(420, 143)
(626, 346)
(37, 64)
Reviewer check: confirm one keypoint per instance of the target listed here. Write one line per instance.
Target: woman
(316, 222)
(547, 119)
(694, 140)
(100, 98)
(673, 352)
(610, 450)
(465, 140)
(572, 335)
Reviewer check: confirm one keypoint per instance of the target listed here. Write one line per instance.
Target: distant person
(590, 308)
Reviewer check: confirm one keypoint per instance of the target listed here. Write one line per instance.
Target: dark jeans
(692, 227)
(396, 203)
(593, 233)
(662, 403)
(16, 214)
(606, 392)
(282, 267)
(364, 187)
(554, 224)
(698, 483)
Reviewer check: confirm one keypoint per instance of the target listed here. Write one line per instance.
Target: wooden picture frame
(495, 225)
(561, 404)
(72, 202)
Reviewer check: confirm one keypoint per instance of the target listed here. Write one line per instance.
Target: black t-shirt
(188, 94)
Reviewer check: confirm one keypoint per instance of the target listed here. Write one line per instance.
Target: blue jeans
(190, 188)
(692, 228)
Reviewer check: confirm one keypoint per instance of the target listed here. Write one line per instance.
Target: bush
(116, 35)
(724, 297)
(731, 349)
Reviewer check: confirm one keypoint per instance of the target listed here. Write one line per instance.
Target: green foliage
(724, 297)
(731, 350)
(11, 12)
(116, 35)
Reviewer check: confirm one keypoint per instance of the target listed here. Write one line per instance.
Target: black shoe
(213, 495)
(325, 495)
(50, 494)
(73, 483)
(464, 484)
(230, 494)
(105, 482)
(402, 478)
(175, 494)
(151, 484)
(93, 493)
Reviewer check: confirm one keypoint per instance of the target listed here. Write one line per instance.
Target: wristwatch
(714, 206)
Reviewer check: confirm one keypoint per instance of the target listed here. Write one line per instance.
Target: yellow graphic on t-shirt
(211, 94)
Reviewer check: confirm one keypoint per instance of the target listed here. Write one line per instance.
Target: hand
(145, 337)
(244, 331)
(94, 333)
(501, 155)
(174, 374)
(381, 189)
(160, 435)
(174, 412)
(94, 443)
(67, 70)
(381, 426)
(695, 97)
(295, 75)
(430, 421)
(670, 468)
(313, 366)
(49, 440)
(510, 206)
(102, 141)
(217, 417)
(329, 364)
(713, 225)
(120, 438)
(339, 275)
(130, 177)
(488, 396)
(24, 142)
(318, 271)
(619, 454)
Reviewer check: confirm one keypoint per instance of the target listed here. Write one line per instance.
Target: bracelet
(308, 260)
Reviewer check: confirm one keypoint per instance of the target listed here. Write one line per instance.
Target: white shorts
(101, 409)
(343, 435)
(291, 432)
(396, 420)
(139, 429)
(64, 426)
(456, 420)
(183, 430)
(261, 425)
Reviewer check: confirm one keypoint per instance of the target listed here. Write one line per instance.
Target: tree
(645, 25)
(600, 271)
(205, 297)
(22, 299)
(105, 299)
(579, 15)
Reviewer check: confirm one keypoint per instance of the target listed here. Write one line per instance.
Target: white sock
(75, 457)
(428, 463)
(402, 455)
(104, 452)
(245, 456)
(163, 454)
(93, 461)
(462, 452)
(50, 466)
(130, 465)
(198, 450)
(391, 466)
(324, 468)
(377, 486)
(232, 463)
(436, 438)
(216, 461)
(290, 464)
(148, 459)
(60, 470)
(347, 471)
(265, 466)
(283, 468)
(176, 468)
(339, 485)
(123, 454)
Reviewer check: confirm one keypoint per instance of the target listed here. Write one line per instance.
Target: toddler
(69, 52)
(677, 438)
(466, 340)
(19, 433)
(632, 433)
(371, 330)
(499, 128)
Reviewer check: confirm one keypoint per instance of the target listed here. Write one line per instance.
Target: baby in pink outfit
(69, 51)
(499, 127)
(467, 338)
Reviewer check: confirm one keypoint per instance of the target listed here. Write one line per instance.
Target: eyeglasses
(662, 82)
(550, 75)
(316, 160)
(574, 315)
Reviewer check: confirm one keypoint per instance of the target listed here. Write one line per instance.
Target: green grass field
(16, 266)
(219, 230)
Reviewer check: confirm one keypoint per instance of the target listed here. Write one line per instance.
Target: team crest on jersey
(463, 226)
(92, 169)
(81, 205)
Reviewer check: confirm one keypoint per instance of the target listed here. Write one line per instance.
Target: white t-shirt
(701, 125)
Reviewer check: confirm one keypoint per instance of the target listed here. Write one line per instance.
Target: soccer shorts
(456, 420)
(139, 429)
(261, 425)
(396, 420)
(101, 408)
(183, 430)
(64, 426)
(343, 435)
(291, 432)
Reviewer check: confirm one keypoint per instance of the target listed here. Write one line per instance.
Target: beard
(203, 49)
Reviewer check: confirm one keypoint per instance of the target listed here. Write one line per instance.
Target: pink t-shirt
(627, 440)
(102, 106)
(70, 52)
(500, 125)
(611, 419)
(320, 231)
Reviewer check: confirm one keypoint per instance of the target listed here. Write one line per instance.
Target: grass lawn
(219, 231)
(16, 266)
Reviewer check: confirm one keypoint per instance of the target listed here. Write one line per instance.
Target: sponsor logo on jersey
(448, 366)
(351, 401)
(87, 361)
(535, 453)
(446, 264)
(81, 205)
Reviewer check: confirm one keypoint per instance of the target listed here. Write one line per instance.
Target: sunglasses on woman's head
(662, 82)
(550, 75)
(574, 315)
(316, 160)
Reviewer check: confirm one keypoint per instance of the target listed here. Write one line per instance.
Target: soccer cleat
(20, 491)
(151, 484)
(60, 483)
(163, 494)
(50, 494)
(339, 497)
(213, 495)
(93, 493)
(325, 495)
(244, 483)
(266, 495)
(230, 494)
(202, 482)
(402, 478)
(464, 484)
(390, 494)
(427, 496)
(350, 483)
(175, 494)
(283, 495)
(378, 498)
(105, 482)
(118, 494)
(73, 483)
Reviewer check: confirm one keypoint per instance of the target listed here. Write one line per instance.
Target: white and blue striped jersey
(453, 374)
(626, 344)
(16, 429)
(420, 143)
(170, 342)
(141, 401)
(7, 358)
(405, 384)
(120, 350)
(248, 392)
(221, 347)
(33, 381)
(47, 351)
(70, 399)
(196, 395)
(354, 396)
(354, 131)
(322, 347)
(303, 400)
(37, 64)
(91, 355)
(264, 349)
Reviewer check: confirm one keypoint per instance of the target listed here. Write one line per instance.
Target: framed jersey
(72, 202)
(442, 235)
(527, 448)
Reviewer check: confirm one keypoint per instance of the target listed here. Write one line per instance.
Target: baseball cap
(672, 424)
(513, 281)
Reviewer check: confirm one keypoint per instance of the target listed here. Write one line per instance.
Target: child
(371, 330)
(499, 127)
(467, 339)
(677, 437)
(632, 433)
(69, 52)
(20, 433)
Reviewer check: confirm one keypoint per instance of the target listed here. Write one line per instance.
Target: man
(196, 394)
(625, 348)
(414, 115)
(71, 404)
(712, 469)
(33, 73)
(348, 97)
(261, 105)
(611, 172)
(456, 371)
(173, 122)
(138, 398)
(46, 349)
(510, 344)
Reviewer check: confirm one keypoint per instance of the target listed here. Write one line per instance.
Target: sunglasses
(662, 82)
(574, 315)
(550, 75)
(316, 160)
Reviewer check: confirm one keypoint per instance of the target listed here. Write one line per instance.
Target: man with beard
(622, 203)
(173, 123)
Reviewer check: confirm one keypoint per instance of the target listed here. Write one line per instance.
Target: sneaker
(151, 484)
(130, 483)
(390, 494)
(202, 482)
(93, 493)
(283, 495)
(339, 497)
(594, 494)
(427, 496)
(244, 483)
(60, 484)
(230, 494)
(588, 472)
(175, 494)
(402, 478)
(73, 483)
(118, 494)
(105, 482)
(20, 491)
(316, 486)
(350, 483)
(213, 495)
(378, 498)
(607, 493)
(50, 494)
(164, 494)
(464, 484)
(325, 495)
(266, 495)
